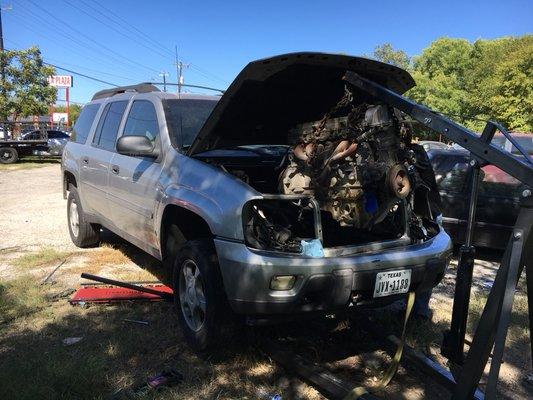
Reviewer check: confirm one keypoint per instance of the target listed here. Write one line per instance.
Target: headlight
(278, 223)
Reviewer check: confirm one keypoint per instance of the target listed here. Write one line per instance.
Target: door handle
(85, 160)
(115, 169)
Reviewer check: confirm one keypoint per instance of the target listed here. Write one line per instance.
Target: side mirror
(136, 146)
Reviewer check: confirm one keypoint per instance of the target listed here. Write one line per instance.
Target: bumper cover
(323, 284)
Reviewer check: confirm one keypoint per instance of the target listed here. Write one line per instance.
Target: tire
(200, 301)
(8, 155)
(82, 233)
(173, 238)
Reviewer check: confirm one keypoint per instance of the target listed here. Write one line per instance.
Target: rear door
(96, 162)
(134, 181)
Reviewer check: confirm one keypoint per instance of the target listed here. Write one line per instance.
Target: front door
(96, 162)
(134, 181)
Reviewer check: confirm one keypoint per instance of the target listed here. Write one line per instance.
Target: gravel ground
(32, 210)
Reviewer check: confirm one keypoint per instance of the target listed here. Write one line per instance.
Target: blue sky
(126, 42)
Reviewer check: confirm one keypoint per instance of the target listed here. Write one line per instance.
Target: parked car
(498, 199)
(56, 141)
(289, 194)
(433, 145)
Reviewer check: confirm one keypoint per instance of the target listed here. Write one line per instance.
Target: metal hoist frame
(494, 323)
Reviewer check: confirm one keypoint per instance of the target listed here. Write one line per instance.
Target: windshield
(526, 142)
(185, 118)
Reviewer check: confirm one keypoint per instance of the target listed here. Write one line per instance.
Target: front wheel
(199, 295)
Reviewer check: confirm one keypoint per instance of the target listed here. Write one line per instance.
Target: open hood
(272, 95)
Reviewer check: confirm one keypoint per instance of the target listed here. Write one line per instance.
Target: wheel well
(68, 179)
(190, 225)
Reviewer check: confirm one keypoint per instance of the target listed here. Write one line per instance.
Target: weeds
(41, 258)
(106, 255)
(20, 297)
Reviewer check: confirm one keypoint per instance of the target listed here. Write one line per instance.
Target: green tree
(473, 82)
(75, 110)
(386, 53)
(24, 91)
(441, 73)
(501, 84)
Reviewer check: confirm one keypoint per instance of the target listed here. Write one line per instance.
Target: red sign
(62, 81)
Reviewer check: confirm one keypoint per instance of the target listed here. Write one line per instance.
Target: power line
(94, 41)
(83, 45)
(88, 69)
(132, 28)
(140, 33)
(101, 21)
(80, 74)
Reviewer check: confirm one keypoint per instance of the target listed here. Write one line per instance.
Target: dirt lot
(114, 358)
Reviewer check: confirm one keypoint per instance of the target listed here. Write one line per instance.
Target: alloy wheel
(192, 296)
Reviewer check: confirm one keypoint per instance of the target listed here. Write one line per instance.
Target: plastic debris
(312, 248)
(169, 377)
(72, 340)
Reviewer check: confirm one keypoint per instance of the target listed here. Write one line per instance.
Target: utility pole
(164, 75)
(2, 73)
(179, 70)
(1, 37)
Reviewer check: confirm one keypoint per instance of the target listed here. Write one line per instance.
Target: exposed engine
(356, 166)
(368, 181)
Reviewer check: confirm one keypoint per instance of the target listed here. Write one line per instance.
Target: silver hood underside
(271, 95)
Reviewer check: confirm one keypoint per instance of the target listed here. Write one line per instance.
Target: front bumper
(323, 284)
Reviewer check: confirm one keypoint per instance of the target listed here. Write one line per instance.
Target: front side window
(142, 120)
(83, 124)
(106, 132)
(185, 118)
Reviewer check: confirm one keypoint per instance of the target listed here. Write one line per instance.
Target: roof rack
(139, 88)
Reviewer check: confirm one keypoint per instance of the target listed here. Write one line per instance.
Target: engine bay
(358, 164)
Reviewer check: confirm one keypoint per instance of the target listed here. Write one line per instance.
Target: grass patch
(29, 163)
(19, 297)
(106, 255)
(518, 329)
(43, 257)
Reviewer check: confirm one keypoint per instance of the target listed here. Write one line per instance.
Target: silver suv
(293, 192)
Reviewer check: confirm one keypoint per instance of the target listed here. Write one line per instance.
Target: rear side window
(142, 120)
(497, 183)
(107, 129)
(83, 124)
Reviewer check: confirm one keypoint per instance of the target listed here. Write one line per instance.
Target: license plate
(392, 282)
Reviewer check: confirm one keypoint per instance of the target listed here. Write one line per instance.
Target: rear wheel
(8, 155)
(199, 295)
(82, 233)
